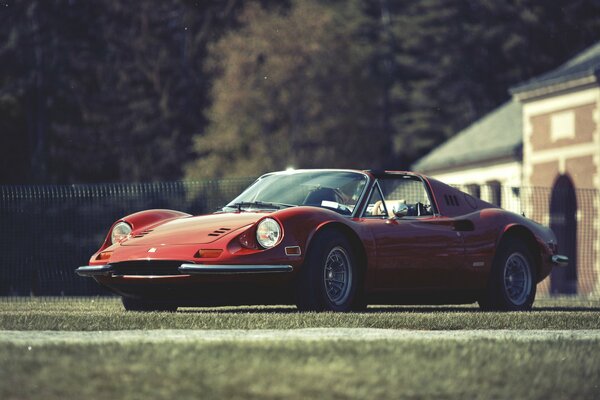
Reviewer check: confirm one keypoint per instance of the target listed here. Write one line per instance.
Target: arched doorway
(563, 221)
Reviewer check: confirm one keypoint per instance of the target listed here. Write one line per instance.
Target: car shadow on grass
(240, 310)
(473, 309)
(372, 309)
(563, 308)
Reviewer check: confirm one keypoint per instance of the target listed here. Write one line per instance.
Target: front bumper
(233, 269)
(94, 270)
(190, 269)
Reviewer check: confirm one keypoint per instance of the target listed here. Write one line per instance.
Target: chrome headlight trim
(268, 233)
(119, 232)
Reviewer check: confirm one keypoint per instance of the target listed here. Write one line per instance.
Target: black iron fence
(573, 216)
(47, 231)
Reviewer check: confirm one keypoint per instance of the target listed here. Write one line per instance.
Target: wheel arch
(354, 239)
(519, 232)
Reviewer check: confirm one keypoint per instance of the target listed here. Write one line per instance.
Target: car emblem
(152, 250)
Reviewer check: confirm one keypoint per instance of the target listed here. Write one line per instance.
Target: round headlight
(120, 232)
(268, 233)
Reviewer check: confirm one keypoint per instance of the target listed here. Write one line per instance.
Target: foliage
(454, 60)
(105, 90)
(293, 88)
(111, 90)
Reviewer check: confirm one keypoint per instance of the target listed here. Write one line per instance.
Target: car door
(413, 251)
(417, 253)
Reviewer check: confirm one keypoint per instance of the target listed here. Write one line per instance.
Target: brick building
(552, 125)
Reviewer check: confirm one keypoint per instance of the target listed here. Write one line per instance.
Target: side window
(376, 205)
(406, 190)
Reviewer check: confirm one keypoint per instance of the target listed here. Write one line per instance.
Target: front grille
(146, 268)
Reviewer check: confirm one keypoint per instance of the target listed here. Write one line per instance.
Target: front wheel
(132, 304)
(512, 283)
(329, 277)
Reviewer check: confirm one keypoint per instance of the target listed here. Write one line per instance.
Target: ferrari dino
(329, 240)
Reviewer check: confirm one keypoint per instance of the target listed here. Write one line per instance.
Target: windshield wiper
(260, 204)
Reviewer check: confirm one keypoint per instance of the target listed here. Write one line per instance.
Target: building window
(474, 190)
(562, 125)
(495, 193)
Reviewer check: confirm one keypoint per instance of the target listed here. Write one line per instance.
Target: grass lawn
(480, 367)
(108, 314)
(294, 370)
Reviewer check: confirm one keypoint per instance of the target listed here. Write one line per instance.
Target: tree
(103, 91)
(292, 87)
(455, 59)
(119, 91)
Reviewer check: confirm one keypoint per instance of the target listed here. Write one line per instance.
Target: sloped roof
(585, 64)
(497, 135)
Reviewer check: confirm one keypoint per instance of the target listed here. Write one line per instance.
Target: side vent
(451, 200)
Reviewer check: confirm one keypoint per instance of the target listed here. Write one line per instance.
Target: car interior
(401, 196)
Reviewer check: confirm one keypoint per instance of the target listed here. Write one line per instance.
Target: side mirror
(400, 210)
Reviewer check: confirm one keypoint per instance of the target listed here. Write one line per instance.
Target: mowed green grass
(108, 314)
(476, 369)
(481, 368)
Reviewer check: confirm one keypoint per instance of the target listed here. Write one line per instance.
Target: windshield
(336, 190)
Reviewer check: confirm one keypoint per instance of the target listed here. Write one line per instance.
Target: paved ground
(310, 334)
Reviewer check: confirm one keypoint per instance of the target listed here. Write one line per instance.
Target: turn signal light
(105, 255)
(293, 251)
(208, 253)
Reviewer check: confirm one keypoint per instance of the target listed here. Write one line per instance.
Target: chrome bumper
(233, 269)
(193, 269)
(94, 270)
(560, 261)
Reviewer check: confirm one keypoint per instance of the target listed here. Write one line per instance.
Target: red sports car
(329, 240)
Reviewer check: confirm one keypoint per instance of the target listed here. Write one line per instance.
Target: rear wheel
(132, 304)
(329, 279)
(512, 283)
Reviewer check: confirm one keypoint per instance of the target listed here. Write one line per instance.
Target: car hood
(193, 230)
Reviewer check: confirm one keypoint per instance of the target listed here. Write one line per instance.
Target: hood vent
(191, 230)
(142, 233)
(219, 232)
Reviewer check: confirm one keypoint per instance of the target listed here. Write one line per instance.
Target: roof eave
(534, 91)
(451, 168)
(513, 153)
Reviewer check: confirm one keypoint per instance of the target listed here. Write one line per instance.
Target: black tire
(329, 277)
(132, 304)
(512, 282)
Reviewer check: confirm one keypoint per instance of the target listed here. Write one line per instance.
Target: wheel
(511, 286)
(328, 280)
(132, 304)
